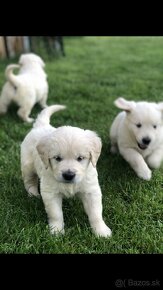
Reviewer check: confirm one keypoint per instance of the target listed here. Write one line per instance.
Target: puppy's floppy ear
(43, 152)
(124, 104)
(95, 146)
(45, 149)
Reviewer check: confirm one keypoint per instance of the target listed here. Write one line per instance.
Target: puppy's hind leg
(114, 147)
(43, 101)
(30, 181)
(24, 113)
(114, 134)
(6, 97)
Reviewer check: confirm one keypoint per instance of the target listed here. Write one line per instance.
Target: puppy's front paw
(29, 120)
(145, 174)
(56, 228)
(114, 149)
(102, 230)
(33, 191)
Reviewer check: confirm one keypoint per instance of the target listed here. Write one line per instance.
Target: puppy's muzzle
(68, 176)
(144, 144)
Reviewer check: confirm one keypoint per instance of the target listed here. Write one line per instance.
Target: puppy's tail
(43, 118)
(13, 79)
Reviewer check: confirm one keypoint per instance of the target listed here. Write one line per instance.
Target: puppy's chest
(146, 153)
(69, 190)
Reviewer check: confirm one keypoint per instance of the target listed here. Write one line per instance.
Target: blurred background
(11, 46)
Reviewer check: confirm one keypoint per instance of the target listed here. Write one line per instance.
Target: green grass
(95, 71)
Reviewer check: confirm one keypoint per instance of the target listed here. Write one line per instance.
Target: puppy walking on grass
(137, 133)
(26, 88)
(64, 159)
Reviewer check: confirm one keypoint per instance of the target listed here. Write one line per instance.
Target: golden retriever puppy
(64, 160)
(26, 88)
(137, 133)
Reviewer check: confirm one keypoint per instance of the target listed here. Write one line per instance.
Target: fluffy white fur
(137, 133)
(26, 88)
(64, 159)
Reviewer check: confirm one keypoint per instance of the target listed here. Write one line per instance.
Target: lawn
(95, 71)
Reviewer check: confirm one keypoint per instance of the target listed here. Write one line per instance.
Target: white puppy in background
(26, 88)
(64, 159)
(137, 133)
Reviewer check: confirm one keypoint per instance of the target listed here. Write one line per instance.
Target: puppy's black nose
(146, 140)
(68, 175)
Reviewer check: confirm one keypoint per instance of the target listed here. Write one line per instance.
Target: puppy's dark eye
(58, 158)
(154, 126)
(138, 125)
(80, 158)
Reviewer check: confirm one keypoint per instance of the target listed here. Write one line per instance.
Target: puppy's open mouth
(142, 146)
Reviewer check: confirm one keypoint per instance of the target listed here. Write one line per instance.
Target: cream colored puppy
(64, 159)
(26, 88)
(137, 133)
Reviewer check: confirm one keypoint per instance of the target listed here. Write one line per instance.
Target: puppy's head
(31, 58)
(144, 121)
(69, 152)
